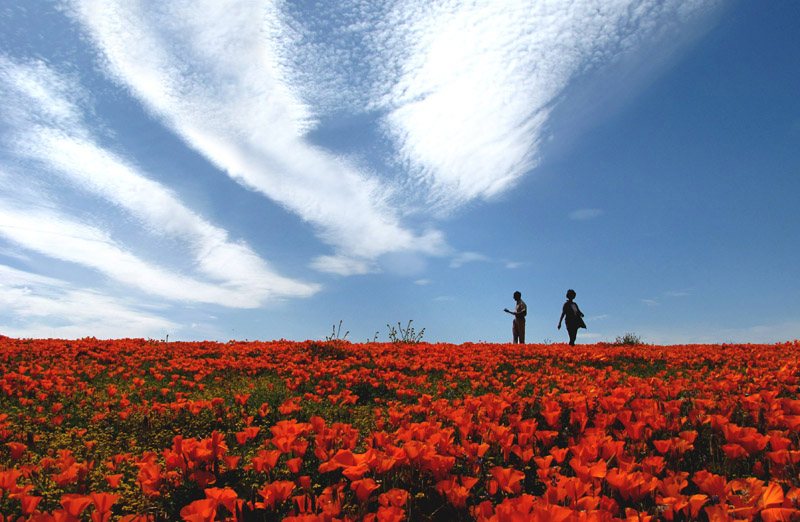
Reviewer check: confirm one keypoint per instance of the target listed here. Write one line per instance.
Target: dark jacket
(573, 318)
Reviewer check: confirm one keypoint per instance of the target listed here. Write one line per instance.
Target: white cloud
(464, 90)
(208, 72)
(34, 94)
(650, 302)
(13, 253)
(585, 214)
(47, 127)
(40, 306)
(467, 257)
(478, 80)
(342, 265)
(786, 331)
(96, 170)
(61, 237)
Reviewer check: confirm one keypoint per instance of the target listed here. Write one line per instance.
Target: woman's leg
(573, 333)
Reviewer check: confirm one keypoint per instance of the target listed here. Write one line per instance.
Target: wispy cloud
(585, 214)
(60, 237)
(41, 306)
(753, 333)
(477, 80)
(670, 294)
(208, 72)
(343, 265)
(97, 171)
(462, 89)
(467, 257)
(46, 127)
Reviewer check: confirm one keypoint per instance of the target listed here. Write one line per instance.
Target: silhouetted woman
(573, 317)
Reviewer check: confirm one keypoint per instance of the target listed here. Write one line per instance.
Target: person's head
(517, 296)
(570, 294)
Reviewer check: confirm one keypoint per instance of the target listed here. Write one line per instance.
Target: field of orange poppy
(137, 430)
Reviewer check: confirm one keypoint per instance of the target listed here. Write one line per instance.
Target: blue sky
(263, 170)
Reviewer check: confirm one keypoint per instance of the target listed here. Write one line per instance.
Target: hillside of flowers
(139, 430)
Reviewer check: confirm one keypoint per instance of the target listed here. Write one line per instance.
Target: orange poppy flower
(363, 488)
(8, 479)
(713, 485)
(390, 514)
(771, 496)
(17, 450)
(294, 464)
(224, 496)
(559, 454)
(734, 451)
(28, 503)
(695, 503)
(75, 504)
(508, 479)
(265, 460)
(276, 492)
(200, 511)
(395, 497)
(103, 501)
(778, 514)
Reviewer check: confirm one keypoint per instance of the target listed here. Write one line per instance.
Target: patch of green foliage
(629, 339)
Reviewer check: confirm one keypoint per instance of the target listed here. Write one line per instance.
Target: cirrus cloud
(207, 71)
(461, 90)
(44, 125)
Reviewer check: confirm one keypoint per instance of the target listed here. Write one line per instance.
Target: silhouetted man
(519, 313)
